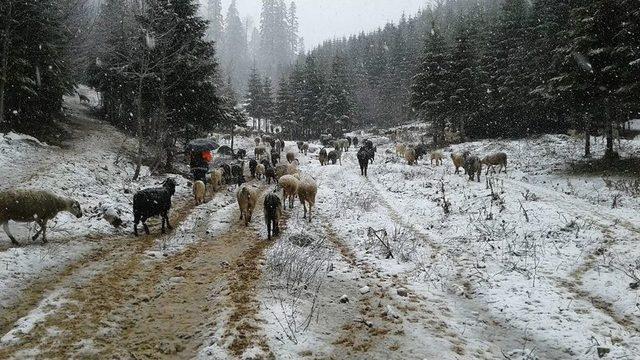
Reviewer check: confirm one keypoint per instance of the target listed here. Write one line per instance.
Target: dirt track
(140, 307)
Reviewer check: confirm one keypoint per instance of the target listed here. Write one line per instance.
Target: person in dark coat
(200, 165)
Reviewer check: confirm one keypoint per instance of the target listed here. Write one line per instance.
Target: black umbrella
(200, 145)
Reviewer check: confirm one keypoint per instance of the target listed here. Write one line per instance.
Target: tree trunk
(232, 134)
(140, 129)
(609, 153)
(587, 137)
(5, 63)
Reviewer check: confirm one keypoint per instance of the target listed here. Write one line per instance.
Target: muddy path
(123, 303)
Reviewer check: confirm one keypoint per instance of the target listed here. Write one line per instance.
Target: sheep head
(74, 208)
(170, 185)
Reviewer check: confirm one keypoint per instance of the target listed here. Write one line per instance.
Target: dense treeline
(483, 69)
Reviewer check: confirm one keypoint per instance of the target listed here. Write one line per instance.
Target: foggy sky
(325, 19)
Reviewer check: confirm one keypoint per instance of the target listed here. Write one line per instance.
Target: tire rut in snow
(91, 296)
(573, 284)
(378, 331)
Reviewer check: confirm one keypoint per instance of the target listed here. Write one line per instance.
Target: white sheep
(437, 156)
(199, 192)
(33, 205)
(289, 185)
(216, 179)
(307, 190)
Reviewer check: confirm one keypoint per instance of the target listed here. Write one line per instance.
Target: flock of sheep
(267, 166)
(471, 164)
(41, 206)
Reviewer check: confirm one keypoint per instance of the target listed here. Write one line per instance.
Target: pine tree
(283, 103)
(292, 27)
(431, 84)
(312, 96)
(593, 72)
(465, 103)
(549, 30)
(507, 66)
(267, 104)
(254, 97)
(275, 49)
(33, 72)
(216, 21)
(629, 49)
(234, 54)
(338, 98)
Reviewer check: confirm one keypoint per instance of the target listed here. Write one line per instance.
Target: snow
(538, 267)
(550, 284)
(91, 170)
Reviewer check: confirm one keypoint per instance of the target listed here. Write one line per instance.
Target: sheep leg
(136, 220)
(43, 227)
(268, 228)
(42, 230)
(304, 206)
(146, 228)
(166, 218)
(5, 226)
(35, 236)
(284, 198)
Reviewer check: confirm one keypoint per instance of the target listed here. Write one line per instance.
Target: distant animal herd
(41, 206)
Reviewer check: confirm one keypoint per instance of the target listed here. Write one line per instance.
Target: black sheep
(253, 164)
(272, 212)
(153, 202)
(241, 154)
(334, 156)
(275, 157)
(363, 160)
(355, 141)
(225, 150)
(266, 163)
(237, 171)
(270, 174)
(368, 144)
(421, 150)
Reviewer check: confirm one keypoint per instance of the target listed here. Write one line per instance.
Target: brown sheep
(458, 160)
(281, 170)
(410, 156)
(400, 149)
(307, 190)
(305, 148)
(291, 157)
(260, 171)
(289, 185)
(247, 198)
(497, 159)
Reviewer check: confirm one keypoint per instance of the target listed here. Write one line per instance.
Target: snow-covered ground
(93, 169)
(538, 269)
(536, 263)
